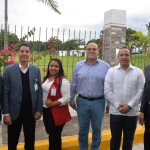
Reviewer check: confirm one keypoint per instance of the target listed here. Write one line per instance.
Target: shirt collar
(130, 66)
(22, 67)
(91, 64)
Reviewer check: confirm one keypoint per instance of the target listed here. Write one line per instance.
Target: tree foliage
(138, 39)
(52, 4)
(130, 39)
(12, 38)
(71, 45)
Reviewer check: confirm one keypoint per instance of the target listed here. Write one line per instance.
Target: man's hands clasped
(124, 108)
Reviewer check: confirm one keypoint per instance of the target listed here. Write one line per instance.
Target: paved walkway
(135, 146)
(138, 147)
(71, 128)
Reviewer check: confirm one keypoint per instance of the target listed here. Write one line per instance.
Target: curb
(71, 142)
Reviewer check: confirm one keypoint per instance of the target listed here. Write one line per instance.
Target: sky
(76, 14)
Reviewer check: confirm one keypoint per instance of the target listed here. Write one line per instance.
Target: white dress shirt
(124, 87)
(65, 91)
(24, 70)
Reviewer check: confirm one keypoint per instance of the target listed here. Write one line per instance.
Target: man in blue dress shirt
(88, 82)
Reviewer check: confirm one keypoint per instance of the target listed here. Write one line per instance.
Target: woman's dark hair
(61, 70)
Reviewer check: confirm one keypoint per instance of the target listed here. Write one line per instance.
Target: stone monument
(114, 33)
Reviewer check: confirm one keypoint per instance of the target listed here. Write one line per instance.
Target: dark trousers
(14, 130)
(125, 124)
(147, 136)
(54, 132)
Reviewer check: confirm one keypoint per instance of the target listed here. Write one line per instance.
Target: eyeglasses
(24, 51)
(91, 49)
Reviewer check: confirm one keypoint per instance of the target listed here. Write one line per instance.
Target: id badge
(53, 91)
(36, 87)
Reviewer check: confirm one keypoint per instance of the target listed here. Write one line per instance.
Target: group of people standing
(25, 98)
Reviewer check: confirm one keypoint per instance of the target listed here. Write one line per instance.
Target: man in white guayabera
(123, 89)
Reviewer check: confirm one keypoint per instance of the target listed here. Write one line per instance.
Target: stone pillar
(114, 32)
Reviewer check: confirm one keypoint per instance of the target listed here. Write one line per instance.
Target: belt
(91, 98)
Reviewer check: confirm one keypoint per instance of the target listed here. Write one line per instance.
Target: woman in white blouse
(56, 95)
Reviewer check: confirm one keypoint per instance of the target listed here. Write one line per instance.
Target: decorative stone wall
(114, 34)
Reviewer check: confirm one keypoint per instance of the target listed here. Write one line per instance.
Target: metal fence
(39, 41)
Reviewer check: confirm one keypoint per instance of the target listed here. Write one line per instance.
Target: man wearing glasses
(88, 82)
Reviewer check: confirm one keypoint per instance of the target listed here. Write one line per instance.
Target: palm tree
(148, 26)
(49, 3)
(52, 4)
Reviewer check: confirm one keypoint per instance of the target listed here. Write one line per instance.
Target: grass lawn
(67, 61)
(139, 60)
